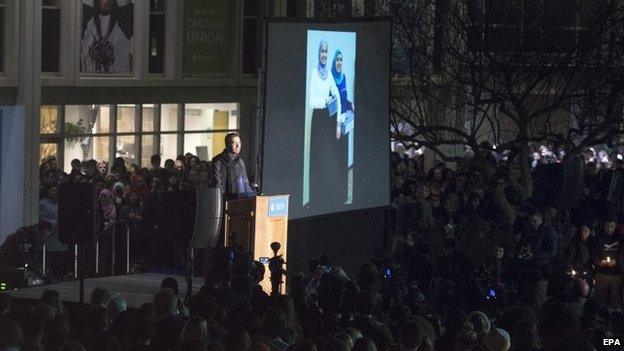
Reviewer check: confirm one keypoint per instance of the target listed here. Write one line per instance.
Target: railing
(111, 226)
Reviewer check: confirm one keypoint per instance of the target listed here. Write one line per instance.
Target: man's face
(53, 164)
(90, 170)
(410, 241)
(106, 6)
(500, 253)
(234, 145)
(585, 232)
(102, 167)
(609, 227)
(53, 193)
(536, 221)
(435, 201)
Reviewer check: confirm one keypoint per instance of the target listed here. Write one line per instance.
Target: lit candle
(608, 259)
(573, 272)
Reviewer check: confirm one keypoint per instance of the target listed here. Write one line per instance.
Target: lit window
(204, 145)
(49, 120)
(210, 117)
(125, 118)
(87, 119)
(126, 148)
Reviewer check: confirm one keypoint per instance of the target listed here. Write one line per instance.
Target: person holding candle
(606, 257)
(578, 255)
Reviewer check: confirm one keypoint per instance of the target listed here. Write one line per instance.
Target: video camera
(321, 261)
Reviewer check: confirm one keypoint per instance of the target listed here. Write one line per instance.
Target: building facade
(99, 79)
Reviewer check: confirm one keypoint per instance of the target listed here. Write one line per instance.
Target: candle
(573, 272)
(608, 259)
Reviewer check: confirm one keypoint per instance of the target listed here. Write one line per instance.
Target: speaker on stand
(208, 220)
(77, 223)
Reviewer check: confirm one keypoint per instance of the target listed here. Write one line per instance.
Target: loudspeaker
(208, 217)
(77, 213)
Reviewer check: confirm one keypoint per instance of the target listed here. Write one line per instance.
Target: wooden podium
(257, 222)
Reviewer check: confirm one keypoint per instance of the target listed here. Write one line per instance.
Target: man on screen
(229, 172)
(107, 36)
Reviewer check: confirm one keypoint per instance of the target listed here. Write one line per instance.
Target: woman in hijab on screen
(346, 117)
(327, 155)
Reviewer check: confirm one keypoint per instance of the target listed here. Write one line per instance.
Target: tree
(507, 72)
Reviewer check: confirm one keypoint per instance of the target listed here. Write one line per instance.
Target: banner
(207, 37)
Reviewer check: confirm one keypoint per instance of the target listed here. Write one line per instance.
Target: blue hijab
(322, 68)
(338, 76)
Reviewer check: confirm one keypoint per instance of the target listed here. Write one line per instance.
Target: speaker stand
(189, 276)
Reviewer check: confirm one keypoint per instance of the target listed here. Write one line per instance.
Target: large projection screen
(326, 117)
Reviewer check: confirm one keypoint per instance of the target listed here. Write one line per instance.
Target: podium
(257, 222)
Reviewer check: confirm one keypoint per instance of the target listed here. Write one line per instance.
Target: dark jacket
(229, 174)
(543, 244)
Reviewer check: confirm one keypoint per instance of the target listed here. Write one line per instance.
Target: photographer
(538, 246)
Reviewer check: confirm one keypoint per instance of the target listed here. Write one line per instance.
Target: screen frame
(262, 84)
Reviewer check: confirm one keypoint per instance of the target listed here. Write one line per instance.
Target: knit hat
(497, 340)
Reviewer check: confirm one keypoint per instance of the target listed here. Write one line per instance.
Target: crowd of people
(476, 262)
(157, 204)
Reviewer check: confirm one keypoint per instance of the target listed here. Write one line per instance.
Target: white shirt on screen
(320, 89)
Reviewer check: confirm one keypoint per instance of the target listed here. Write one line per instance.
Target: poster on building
(107, 36)
(207, 35)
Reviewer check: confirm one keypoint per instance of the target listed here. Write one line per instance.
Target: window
(2, 12)
(157, 36)
(528, 25)
(209, 117)
(125, 118)
(148, 118)
(147, 149)
(84, 131)
(250, 36)
(168, 146)
(49, 123)
(50, 35)
(87, 119)
(169, 117)
(126, 148)
(46, 150)
(204, 145)
(84, 148)
(333, 8)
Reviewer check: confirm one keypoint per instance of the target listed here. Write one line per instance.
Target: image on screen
(329, 118)
(326, 123)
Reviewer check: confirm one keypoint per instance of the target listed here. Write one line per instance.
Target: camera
(387, 273)
(491, 294)
(321, 261)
